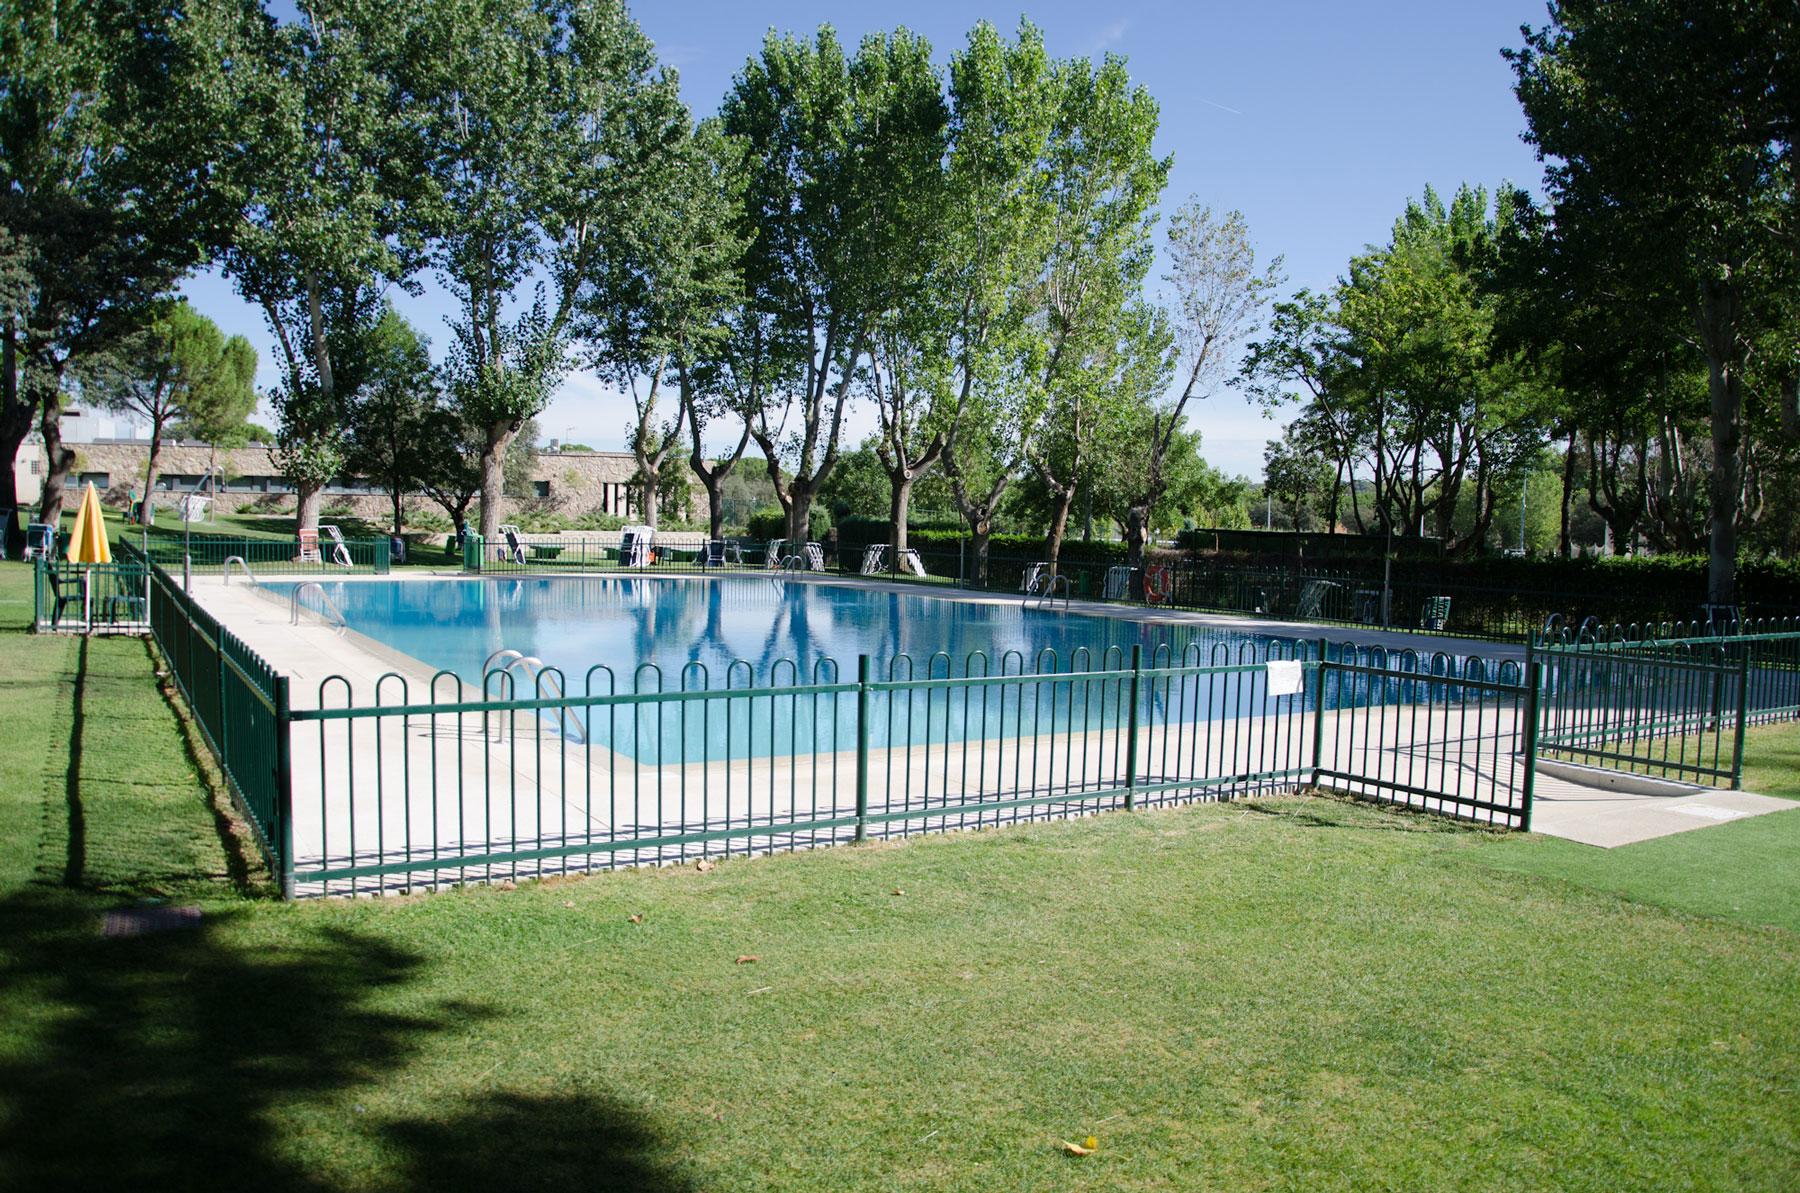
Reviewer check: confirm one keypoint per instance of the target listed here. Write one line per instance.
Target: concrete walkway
(1600, 810)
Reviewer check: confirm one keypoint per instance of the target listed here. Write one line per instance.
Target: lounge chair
(815, 557)
(1036, 576)
(909, 559)
(340, 550)
(634, 546)
(1118, 583)
(514, 551)
(309, 547)
(874, 560)
(714, 554)
(1436, 613)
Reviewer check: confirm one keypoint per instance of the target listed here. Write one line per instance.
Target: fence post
(284, 792)
(1528, 788)
(1318, 742)
(1131, 722)
(1743, 716)
(862, 747)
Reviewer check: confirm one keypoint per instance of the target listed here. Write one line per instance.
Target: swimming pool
(608, 634)
(702, 627)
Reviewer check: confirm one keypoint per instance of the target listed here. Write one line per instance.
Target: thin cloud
(1112, 35)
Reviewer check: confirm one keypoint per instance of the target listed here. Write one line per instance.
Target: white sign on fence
(1285, 677)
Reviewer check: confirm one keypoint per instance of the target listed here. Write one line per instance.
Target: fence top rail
(1431, 677)
(1621, 659)
(680, 695)
(1623, 644)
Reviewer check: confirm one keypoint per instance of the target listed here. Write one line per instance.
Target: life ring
(1158, 584)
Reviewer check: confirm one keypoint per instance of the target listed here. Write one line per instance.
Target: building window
(100, 480)
(542, 488)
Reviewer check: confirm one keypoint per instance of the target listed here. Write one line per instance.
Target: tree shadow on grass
(172, 1061)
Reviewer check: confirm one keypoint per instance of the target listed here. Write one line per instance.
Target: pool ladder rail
(546, 682)
(333, 617)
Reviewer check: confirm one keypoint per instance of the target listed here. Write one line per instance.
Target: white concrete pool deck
(421, 759)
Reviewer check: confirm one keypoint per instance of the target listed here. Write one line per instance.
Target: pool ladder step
(546, 681)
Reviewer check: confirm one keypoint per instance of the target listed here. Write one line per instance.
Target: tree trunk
(714, 481)
(1564, 547)
(900, 498)
(152, 470)
(799, 514)
(1060, 503)
(1725, 388)
(306, 512)
(58, 461)
(399, 511)
(1137, 520)
(650, 476)
(981, 534)
(493, 476)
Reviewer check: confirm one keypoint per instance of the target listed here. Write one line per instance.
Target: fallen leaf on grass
(748, 959)
(898, 891)
(703, 865)
(637, 918)
(568, 902)
(1085, 1148)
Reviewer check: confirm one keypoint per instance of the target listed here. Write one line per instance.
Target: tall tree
(1667, 131)
(393, 416)
(1005, 100)
(1099, 342)
(838, 147)
(1219, 295)
(106, 195)
(181, 370)
(328, 218)
(656, 303)
(543, 121)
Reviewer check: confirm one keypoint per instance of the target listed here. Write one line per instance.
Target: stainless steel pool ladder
(241, 562)
(1046, 595)
(545, 682)
(789, 563)
(330, 612)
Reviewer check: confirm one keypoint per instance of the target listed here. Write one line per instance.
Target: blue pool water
(703, 627)
(607, 634)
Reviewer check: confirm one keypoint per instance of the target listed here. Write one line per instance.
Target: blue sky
(1315, 119)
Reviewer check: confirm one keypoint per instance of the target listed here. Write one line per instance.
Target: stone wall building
(570, 483)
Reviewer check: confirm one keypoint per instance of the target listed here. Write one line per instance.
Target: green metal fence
(401, 788)
(268, 555)
(1671, 699)
(241, 707)
(90, 598)
(529, 774)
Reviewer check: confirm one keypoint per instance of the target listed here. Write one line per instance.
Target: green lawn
(1746, 870)
(1294, 994)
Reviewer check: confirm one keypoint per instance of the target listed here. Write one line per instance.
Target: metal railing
(527, 773)
(240, 705)
(1670, 699)
(279, 556)
(330, 613)
(455, 784)
(90, 598)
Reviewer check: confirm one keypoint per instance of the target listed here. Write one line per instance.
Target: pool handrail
(241, 562)
(335, 620)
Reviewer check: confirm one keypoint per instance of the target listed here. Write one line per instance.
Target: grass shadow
(183, 1060)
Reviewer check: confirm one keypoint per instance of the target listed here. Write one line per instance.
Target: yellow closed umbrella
(88, 544)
